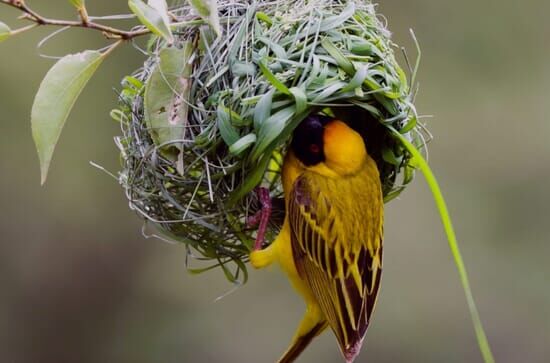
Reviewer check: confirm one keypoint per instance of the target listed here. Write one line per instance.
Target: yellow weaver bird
(330, 245)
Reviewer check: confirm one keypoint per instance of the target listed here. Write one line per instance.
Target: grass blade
(242, 144)
(482, 341)
(273, 80)
(337, 20)
(262, 111)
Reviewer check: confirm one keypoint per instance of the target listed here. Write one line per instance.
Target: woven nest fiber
(193, 155)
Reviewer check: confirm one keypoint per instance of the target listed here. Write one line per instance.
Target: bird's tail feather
(301, 342)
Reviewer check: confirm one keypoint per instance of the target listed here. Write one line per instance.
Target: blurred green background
(81, 284)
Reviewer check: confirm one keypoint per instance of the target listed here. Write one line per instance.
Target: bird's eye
(314, 148)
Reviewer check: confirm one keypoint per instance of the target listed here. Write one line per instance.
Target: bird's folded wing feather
(343, 275)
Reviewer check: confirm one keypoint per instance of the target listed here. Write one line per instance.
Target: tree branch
(84, 22)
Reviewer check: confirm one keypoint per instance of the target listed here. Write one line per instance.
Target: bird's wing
(343, 275)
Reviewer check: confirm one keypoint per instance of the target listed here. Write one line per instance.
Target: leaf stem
(112, 47)
(84, 22)
(83, 13)
(453, 244)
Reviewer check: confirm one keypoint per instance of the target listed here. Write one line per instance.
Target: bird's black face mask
(307, 142)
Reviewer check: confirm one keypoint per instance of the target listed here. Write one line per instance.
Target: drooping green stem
(421, 163)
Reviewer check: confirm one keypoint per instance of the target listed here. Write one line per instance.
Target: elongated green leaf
(257, 173)
(228, 132)
(337, 20)
(279, 51)
(208, 10)
(162, 8)
(329, 91)
(260, 15)
(413, 121)
(198, 271)
(252, 180)
(5, 31)
(166, 99)
(389, 156)
(154, 20)
(241, 69)
(339, 57)
(365, 48)
(358, 79)
(315, 68)
(55, 98)
(273, 80)
(482, 341)
(373, 110)
(270, 130)
(262, 111)
(228, 274)
(300, 98)
(242, 144)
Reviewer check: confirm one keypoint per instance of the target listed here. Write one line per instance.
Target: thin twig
(84, 22)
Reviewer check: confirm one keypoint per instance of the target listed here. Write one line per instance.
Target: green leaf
(280, 52)
(162, 8)
(229, 134)
(328, 91)
(228, 274)
(79, 4)
(166, 96)
(208, 10)
(130, 81)
(198, 271)
(243, 69)
(337, 20)
(300, 98)
(152, 18)
(241, 33)
(482, 341)
(413, 121)
(343, 62)
(358, 79)
(252, 180)
(389, 156)
(5, 31)
(365, 48)
(270, 130)
(262, 111)
(256, 175)
(260, 15)
(373, 110)
(55, 99)
(242, 144)
(273, 80)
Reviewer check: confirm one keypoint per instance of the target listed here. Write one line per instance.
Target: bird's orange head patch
(344, 148)
(328, 146)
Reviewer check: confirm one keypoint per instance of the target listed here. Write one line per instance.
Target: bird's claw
(261, 218)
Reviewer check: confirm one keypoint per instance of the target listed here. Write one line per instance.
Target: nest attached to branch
(208, 119)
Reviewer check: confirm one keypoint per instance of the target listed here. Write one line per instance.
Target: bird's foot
(254, 220)
(261, 258)
(261, 218)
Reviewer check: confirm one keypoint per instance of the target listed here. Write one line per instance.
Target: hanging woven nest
(208, 119)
